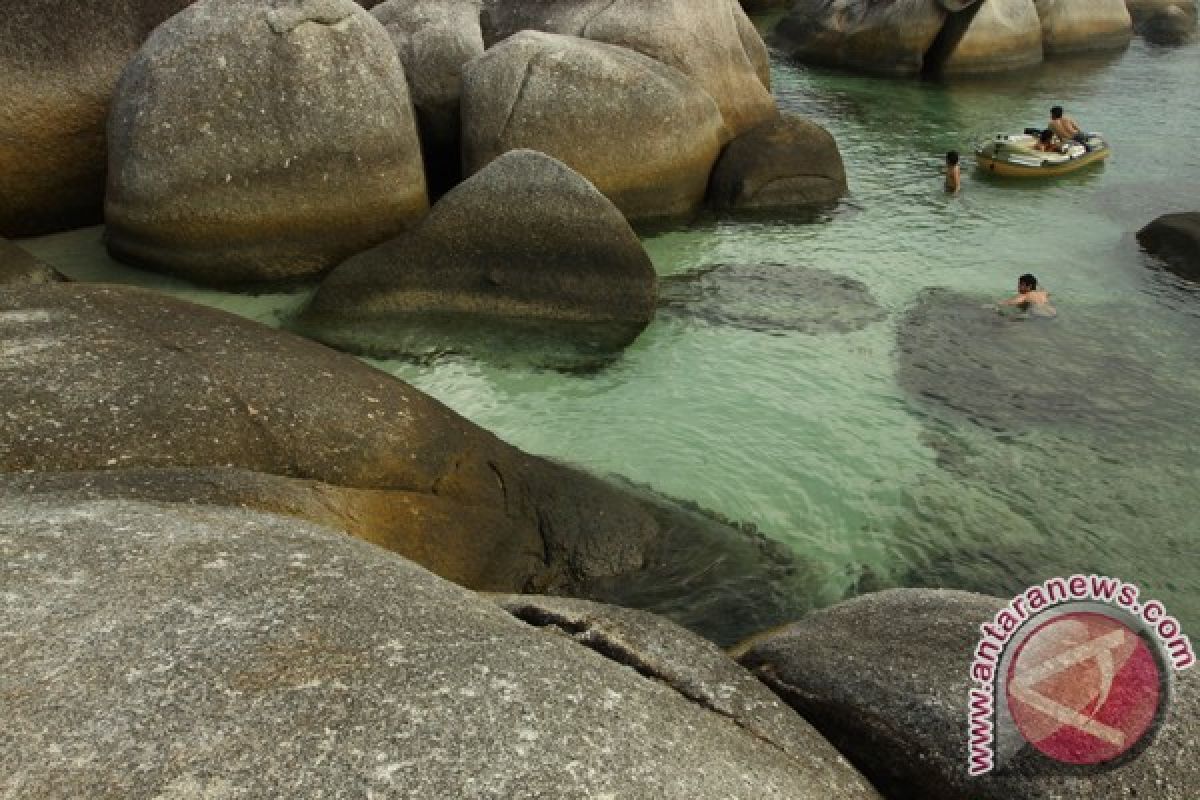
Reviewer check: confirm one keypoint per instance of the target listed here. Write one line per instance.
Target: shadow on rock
(771, 298)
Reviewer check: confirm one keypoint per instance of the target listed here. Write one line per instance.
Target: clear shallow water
(916, 448)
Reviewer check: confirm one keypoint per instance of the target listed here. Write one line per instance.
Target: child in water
(1030, 298)
(953, 176)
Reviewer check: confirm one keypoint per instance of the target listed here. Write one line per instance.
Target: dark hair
(1056, 112)
(952, 157)
(1047, 136)
(1027, 280)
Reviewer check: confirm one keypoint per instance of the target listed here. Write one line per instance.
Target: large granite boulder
(254, 141)
(1175, 238)
(886, 678)
(993, 36)
(1168, 22)
(19, 266)
(177, 402)
(710, 41)
(156, 650)
(882, 36)
(524, 239)
(60, 60)
(554, 93)
(784, 163)
(1080, 26)
(435, 39)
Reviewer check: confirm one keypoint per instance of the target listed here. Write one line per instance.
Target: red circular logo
(1084, 688)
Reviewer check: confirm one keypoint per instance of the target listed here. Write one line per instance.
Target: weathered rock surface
(525, 238)
(885, 678)
(435, 39)
(164, 651)
(177, 402)
(553, 93)
(698, 670)
(710, 41)
(993, 36)
(785, 163)
(771, 298)
(890, 37)
(299, 147)
(1079, 26)
(1175, 238)
(1166, 23)
(61, 60)
(19, 266)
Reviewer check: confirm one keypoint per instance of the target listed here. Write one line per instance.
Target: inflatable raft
(1011, 155)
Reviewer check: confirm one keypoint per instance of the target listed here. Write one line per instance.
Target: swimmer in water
(1030, 298)
(953, 175)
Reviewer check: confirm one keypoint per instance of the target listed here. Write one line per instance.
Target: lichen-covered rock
(60, 60)
(435, 39)
(785, 163)
(999, 35)
(155, 650)
(1175, 238)
(883, 36)
(178, 402)
(885, 677)
(710, 41)
(1080, 26)
(19, 266)
(254, 141)
(525, 238)
(554, 93)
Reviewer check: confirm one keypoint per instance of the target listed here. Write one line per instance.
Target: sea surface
(836, 379)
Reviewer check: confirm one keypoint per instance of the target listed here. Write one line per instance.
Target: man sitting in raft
(1030, 298)
(1065, 128)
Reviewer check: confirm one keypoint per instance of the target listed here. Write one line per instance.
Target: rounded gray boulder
(785, 163)
(525, 238)
(1082, 26)
(158, 651)
(1175, 238)
(644, 134)
(254, 141)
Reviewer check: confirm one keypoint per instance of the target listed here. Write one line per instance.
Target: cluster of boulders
(968, 37)
(260, 142)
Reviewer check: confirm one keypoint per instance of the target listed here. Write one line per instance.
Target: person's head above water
(952, 158)
(1056, 112)
(1026, 283)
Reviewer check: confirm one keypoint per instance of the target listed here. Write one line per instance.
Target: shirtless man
(1030, 298)
(1065, 128)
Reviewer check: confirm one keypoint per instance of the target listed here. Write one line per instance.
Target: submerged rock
(435, 40)
(710, 41)
(169, 651)
(61, 60)
(315, 158)
(178, 402)
(1012, 372)
(526, 239)
(771, 298)
(552, 93)
(885, 678)
(1175, 238)
(786, 163)
(1079, 26)
(19, 266)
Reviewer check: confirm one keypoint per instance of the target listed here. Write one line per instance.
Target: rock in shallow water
(886, 676)
(161, 651)
(526, 239)
(254, 141)
(1175, 238)
(771, 298)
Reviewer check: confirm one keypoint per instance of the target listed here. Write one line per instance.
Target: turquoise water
(916, 438)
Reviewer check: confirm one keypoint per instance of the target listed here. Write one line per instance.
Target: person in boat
(1065, 128)
(1030, 298)
(1046, 143)
(953, 174)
